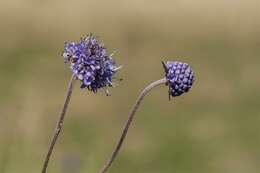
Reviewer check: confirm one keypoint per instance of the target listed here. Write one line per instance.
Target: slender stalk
(129, 120)
(59, 124)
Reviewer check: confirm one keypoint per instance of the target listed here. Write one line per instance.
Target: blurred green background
(214, 128)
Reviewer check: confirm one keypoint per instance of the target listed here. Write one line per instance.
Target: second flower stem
(129, 120)
(59, 124)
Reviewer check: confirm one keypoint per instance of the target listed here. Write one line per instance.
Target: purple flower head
(180, 77)
(90, 63)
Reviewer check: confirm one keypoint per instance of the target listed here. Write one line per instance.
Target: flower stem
(59, 124)
(129, 120)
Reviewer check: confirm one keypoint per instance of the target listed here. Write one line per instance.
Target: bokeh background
(214, 128)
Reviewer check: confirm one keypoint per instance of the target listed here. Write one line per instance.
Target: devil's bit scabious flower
(180, 77)
(90, 63)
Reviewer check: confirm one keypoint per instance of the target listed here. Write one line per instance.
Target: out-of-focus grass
(214, 128)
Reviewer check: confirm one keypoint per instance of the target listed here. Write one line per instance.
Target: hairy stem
(129, 120)
(59, 124)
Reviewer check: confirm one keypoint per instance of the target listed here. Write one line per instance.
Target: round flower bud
(180, 77)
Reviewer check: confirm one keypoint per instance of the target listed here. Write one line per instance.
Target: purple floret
(90, 63)
(180, 77)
